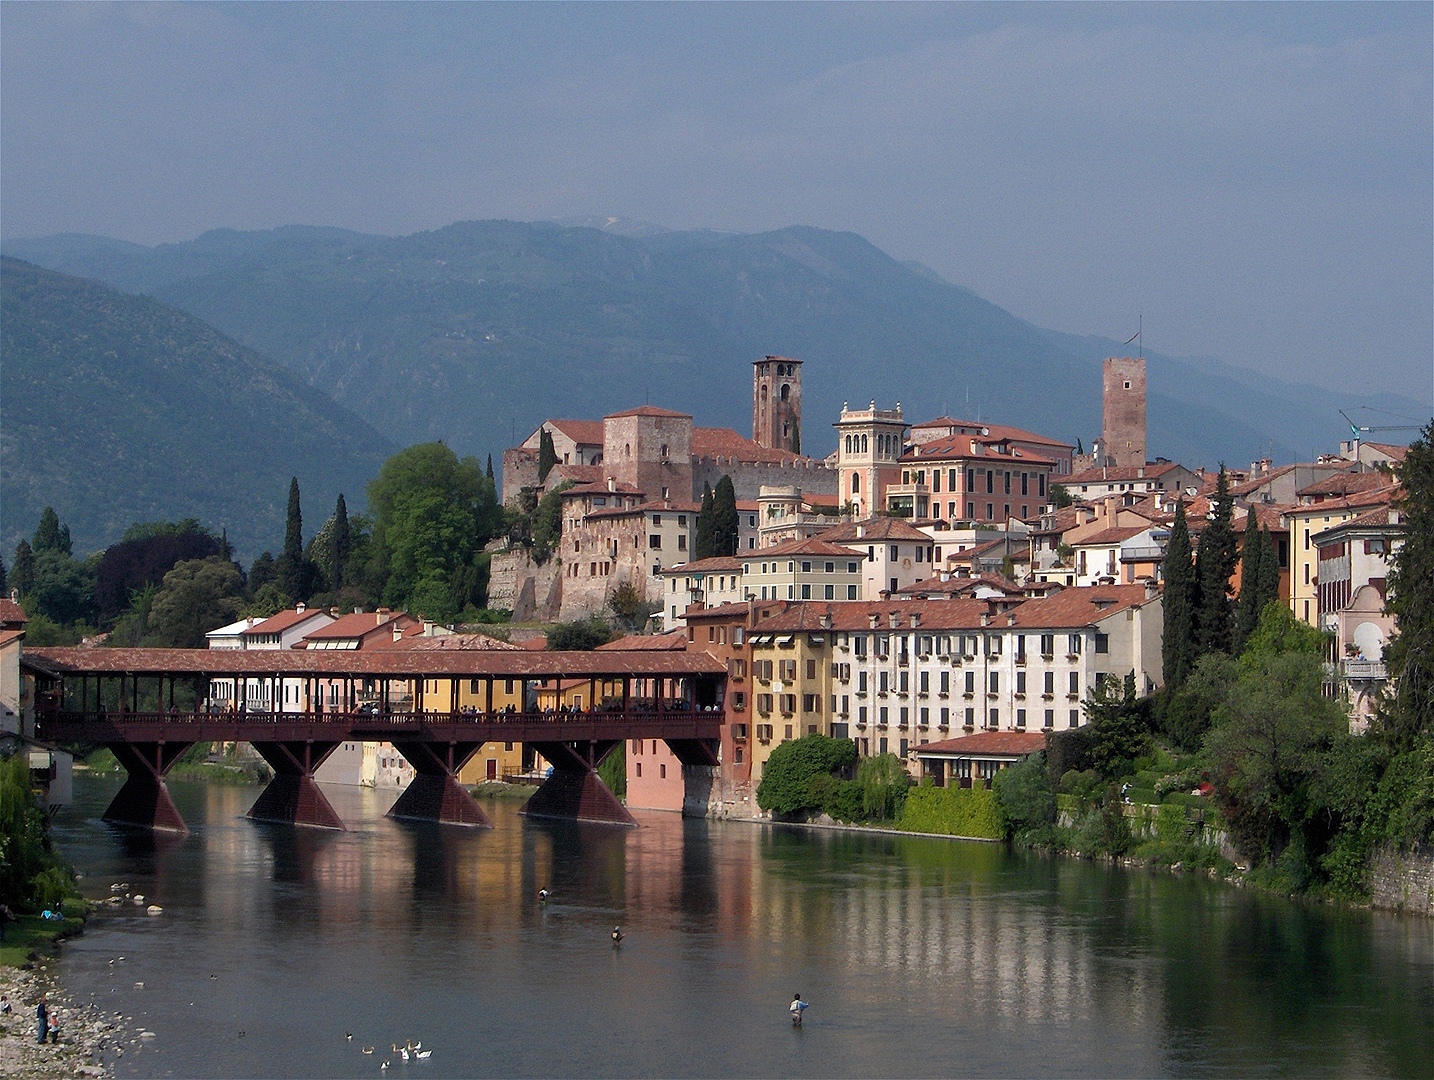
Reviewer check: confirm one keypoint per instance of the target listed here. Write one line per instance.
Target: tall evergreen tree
(50, 535)
(294, 524)
(490, 466)
(22, 574)
(726, 525)
(547, 455)
(1214, 563)
(1410, 655)
(4, 580)
(1252, 581)
(702, 542)
(295, 574)
(340, 544)
(1178, 649)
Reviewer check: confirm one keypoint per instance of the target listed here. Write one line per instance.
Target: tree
(630, 607)
(1410, 655)
(143, 559)
(196, 597)
(547, 454)
(4, 580)
(1178, 645)
(64, 588)
(786, 786)
(883, 780)
(22, 575)
(1256, 557)
(726, 526)
(548, 523)
(702, 542)
(50, 535)
(1214, 563)
(262, 571)
(1059, 496)
(582, 635)
(432, 515)
(297, 573)
(339, 546)
(490, 468)
(1119, 724)
(1024, 795)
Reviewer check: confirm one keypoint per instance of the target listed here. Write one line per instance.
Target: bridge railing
(407, 719)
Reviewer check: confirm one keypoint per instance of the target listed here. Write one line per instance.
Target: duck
(386, 1064)
(367, 1050)
(423, 1055)
(348, 1035)
(542, 896)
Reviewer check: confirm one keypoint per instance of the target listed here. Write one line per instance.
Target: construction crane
(1356, 429)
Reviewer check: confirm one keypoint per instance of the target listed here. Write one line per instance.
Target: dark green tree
(547, 455)
(1178, 646)
(1214, 563)
(548, 523)
(726, 526)
(4, 580)
(22, 574)
(340, 545)
(196, 597)
(1410, 655)
(298, 576)
(1257, 559)
(294, 524)
(582, 635)
(1059, 496)
(786, 786)
(50, 535)
(702, 542)
(490, 468)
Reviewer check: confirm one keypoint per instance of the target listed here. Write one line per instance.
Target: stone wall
(748, 477)
(517, 584)
(1403, 881)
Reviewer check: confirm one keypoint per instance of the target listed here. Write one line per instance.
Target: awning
(786, 639)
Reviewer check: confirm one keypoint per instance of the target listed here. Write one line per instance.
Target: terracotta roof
(357, 624)
(586, 432)
(11, 612)
(1389, 450)
(806, 616)
(1373, 519)
(578, 474)
(997, 431)
(812, 546)
(874, 528)
(599, 487)
(405, 663)
(989, 743)
(1113, 535)
(1267, 516)
(649, 410)
(276, 624)
(1078, 607)
(721, 611)
(1374, 497)
(676, 640)
(1063, 520)
(440, 642)
(724, 442)
(955, 585)
(617, 511)
(1247, 486)
(7, 636)
(718, 564)
(1111, 473)
(963, 446)
(1346, 483)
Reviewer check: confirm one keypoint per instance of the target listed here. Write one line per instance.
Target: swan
(423, 1055)
(368, 1050)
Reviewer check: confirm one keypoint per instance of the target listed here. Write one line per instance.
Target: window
(882, 716)
(739, 702)
(993, 644)
(905, 715)
(881, 744)
(945, 717)
(788, 705)
(806, 568)
(925, 717)
(1075, 718)
(639, 769)
(946, 682)
(657, 519)
(1021, 719)
(995, 682)
(861, 682)
(970, 717)
(904, 682)
(1102, 643)
(654, 541)
(1048, 645)
(1020, 682)
(681, 541)
(829, 592)
(1050, 721)
(787, 670)
(806, 592)
(994, 718)
(924, 685)
(1075, 684)
(883, 681)
(970, 682)
(1050, 684)
(811, 669)
(1074, 645)
(811, 703)
(662, 771)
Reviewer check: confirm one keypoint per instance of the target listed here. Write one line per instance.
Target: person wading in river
(796, 1008)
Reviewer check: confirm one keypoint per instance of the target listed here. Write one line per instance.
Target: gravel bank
(90, 1040)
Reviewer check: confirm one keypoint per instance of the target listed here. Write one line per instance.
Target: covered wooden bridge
(150, 705)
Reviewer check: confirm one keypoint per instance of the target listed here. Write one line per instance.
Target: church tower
(777, 403)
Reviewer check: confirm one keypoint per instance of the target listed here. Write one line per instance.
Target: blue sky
(1258, 180)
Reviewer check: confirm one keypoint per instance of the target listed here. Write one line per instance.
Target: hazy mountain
(119, 408)
(477, 331)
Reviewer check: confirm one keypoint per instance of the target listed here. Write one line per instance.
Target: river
(920, 957)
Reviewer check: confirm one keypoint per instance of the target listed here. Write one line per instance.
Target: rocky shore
(90, 1040)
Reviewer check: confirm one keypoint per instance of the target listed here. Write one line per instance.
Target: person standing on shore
(42, 1014)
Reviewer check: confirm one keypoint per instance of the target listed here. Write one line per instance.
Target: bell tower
(777, 403)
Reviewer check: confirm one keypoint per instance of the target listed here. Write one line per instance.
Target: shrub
(883, 781)
(1023, 793)
(952, 811)
(786, 786)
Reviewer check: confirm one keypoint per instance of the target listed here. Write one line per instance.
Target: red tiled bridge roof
(517, 664)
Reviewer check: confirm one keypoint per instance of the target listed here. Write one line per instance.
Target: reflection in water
(921, 956)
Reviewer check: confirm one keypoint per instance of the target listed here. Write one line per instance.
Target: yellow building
(791, 680)
(802, 570)
(1306, 522)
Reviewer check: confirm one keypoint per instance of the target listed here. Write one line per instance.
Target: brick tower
(777, 403)
(1123, 412)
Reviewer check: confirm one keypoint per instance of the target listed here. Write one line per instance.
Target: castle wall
(633, 452)
(748, 478)
(520, 470)
(1123, 410)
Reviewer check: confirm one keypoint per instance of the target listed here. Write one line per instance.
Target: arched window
(863, 444)
(786, 390)
(764, 394)
(627, 449)
(855, 482)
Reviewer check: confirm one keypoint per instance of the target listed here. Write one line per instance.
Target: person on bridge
(796, 1008)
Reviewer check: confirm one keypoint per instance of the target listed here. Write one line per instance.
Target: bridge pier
(293, 797)
(144, 800)
(699, 773)
(575, 790)
(435, 794)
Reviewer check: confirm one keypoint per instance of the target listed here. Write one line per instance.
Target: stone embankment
(91, 1040)
(1403, 881)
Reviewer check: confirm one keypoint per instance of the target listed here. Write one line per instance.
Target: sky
(1256, 181)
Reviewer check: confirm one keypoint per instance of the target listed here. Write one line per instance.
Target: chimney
(612, 483)
(825, 620)
(873, 620)
(299, 607)
(985, 618)
(1152, 590)
(915, 619)
(894, 618)
(1011, 619)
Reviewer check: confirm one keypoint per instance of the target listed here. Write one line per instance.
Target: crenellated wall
(748, 477)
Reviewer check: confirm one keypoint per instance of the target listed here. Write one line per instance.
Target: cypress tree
(725, 523)
(547, 455)
(1252, 581)
(1410, 655)
(22, 575)
(4, 581)
(340, 544)
(1178, 648)
(294, 576)
(1214, 563)
(1269, 570)
(702, 542)
(50, 535)
(490, 466)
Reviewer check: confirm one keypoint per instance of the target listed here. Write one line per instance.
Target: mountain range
(476, 332)
(122, 409)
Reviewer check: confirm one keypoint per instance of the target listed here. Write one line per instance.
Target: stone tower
(870, 443)
(1123, 412)
(777, 403)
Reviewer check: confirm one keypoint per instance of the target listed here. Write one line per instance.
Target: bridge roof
(516, 664)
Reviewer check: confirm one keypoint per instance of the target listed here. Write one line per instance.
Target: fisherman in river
(796, 1008)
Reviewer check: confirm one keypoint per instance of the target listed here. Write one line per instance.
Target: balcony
(1364, 670)
(903, 659)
